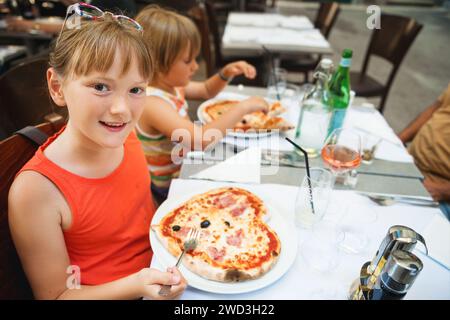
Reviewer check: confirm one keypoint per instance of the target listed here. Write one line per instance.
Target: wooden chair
(24, 98)
(391, 43)
(325, 20)
(259, 5)
(200, 17)
(15, 151)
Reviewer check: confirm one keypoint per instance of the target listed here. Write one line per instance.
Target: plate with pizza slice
(245, 244)
(252, 125)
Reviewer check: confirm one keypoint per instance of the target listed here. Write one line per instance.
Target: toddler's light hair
(167, 35)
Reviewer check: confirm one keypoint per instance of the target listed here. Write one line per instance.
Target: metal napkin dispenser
(396, 247)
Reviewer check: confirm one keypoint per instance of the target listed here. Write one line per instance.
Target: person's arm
(439, 190)
(212, 86)
(36, 226)
(411, 130)
(159, 115)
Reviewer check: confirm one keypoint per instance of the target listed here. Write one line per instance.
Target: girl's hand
(253, 104)
(149, 283)
(239, 67)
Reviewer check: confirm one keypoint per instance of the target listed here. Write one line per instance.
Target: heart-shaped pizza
(253, 121)
(235, 243)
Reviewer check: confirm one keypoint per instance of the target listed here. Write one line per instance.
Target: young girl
(80, 209)
(174, 42)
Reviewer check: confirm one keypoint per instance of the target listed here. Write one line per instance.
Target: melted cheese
(254, 240)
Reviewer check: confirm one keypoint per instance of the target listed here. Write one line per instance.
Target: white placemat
(244, 167)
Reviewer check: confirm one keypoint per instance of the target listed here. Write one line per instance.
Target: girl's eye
(137, 90)
(101, 87)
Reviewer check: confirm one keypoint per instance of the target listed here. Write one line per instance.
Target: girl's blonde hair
(167, 34)
(92, 46)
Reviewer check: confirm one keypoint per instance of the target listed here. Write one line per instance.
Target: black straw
(307, 171)
(273, 71)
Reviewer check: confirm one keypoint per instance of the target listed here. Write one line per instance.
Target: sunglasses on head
(90, 12)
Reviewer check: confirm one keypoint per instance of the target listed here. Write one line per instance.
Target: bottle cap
(347, 53)
(400, 271)
(326, 63)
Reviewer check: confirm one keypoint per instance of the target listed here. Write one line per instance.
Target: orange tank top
(108, 238)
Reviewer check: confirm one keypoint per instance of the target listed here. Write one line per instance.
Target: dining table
(33, 40)
(294, 277)
(246, 33)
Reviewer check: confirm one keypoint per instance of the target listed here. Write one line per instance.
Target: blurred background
(28, 27)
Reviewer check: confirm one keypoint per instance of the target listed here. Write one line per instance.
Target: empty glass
(313, 197)
(320, 248)
(369, 147)
(277, 83)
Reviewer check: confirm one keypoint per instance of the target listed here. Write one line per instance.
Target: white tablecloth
(274, 36)
(302, 282)
(269, 20)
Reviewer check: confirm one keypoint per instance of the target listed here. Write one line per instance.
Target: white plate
(253, 135)
(287, 234)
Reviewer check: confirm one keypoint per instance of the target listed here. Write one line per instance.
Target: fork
(189, 244)
(384, 200)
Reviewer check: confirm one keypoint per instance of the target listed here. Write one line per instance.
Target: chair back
(391, 42)
(393, 39)
(326, 17)
(15, 151)
(24, 98)
(199, 15)
(259, 5)
(214, 31)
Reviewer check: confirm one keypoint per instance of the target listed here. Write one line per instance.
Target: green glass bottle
(339, 91)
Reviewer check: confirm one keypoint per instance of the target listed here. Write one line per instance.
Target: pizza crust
(205, 270)
(170, 244)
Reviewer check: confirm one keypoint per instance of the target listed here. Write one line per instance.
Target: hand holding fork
(189, 244)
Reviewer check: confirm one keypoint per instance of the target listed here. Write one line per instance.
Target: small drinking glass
(291, 96)
(369, 147)
(313, 197)
(277, 83)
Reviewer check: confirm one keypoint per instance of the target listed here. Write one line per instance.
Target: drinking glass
(320, 249)
(277, 83)
(369, 147)
(341, 152)
(313, 197)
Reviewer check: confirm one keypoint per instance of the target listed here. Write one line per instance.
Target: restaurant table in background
(33, 40)
(246, 33)
(381, 176)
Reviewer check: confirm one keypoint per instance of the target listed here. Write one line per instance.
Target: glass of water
(313, 126)
(313, 197)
